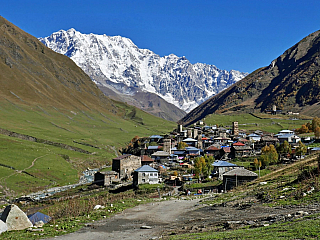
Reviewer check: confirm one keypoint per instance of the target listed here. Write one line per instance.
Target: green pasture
(306, 228)
(269, 123)
(102, 134)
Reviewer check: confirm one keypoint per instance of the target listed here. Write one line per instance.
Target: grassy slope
(57, 166)
(281, 182)
(249, 122)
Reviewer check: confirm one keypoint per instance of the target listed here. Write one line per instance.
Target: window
(143, 180)
(151, 174)
(143, 174)
(156, 174)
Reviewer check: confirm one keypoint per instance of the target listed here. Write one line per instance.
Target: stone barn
(237, 177)
(125, 165)
(105, 178)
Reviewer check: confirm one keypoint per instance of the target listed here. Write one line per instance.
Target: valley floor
(167, 218)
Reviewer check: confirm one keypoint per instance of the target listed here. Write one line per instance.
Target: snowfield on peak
(118, 63)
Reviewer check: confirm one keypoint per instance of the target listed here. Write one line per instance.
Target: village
(201, 161)
(202, 154)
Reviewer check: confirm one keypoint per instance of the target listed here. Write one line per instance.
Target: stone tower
(235, 128)
(167, 145)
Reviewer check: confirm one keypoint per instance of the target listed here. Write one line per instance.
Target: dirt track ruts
(178, 216)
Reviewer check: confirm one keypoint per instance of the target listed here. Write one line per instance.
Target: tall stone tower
(167, 145)
(195, 133)
(189, 133)
(235, 128)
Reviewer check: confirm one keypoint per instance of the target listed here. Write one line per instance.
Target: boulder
(39, 224)
(3, 227)
(15, 218)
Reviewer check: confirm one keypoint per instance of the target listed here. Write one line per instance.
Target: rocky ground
(162, 219)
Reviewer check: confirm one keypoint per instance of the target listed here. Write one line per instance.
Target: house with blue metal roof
(220, 167)
(155, 138)
(145, 174)
(254, 137)
(290, 138)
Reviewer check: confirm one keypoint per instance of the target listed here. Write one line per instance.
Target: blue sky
(241, 35)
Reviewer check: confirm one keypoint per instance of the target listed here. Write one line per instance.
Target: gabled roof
(285, 131)
(146, 158)
(253, 135)
(146, 168)
(269, 138)
(192, 149)
(238, 144)
(243, 140)
(239, 148)
(153, 147)
(122, 157)
(220, 163)
(161, 154)
(286, 135)
(212, 148)
(189, 140)
(179, 152)
(240, 172)
(155, 136)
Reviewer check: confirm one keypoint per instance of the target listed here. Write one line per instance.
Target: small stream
(86, 178)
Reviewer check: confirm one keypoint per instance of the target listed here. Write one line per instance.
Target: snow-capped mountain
(118, 63)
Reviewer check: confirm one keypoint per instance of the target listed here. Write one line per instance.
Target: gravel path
(181, 216)
(127, 225)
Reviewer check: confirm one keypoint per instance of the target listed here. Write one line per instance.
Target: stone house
(146, 160)
(290, 138)
(145, 174)
(213, 150)
(225, 152)
(239, 149)
(237, 177)
(220, 167)
(161, 156)
(254, 137)
(268, 140)
(125, 165)
(190, 141)
(105, 178)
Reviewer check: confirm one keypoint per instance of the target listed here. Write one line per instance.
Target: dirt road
(160, 219)
(127, 225)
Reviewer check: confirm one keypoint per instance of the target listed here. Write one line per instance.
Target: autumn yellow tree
(269, 155)
(315, 123)
(182, 145)
(317, 133)
(301, 149)
(255, 163)
(199, 164)
(209, 160)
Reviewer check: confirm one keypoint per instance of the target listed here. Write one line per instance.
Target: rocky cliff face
(117, 63)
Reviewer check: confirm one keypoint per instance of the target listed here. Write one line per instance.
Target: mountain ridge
(117, 61)
(291, 83)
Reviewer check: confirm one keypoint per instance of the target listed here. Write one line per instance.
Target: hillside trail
(7, 191)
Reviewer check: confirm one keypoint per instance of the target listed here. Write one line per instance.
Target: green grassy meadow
(269, 123)
(100, 133)
(307, 228)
